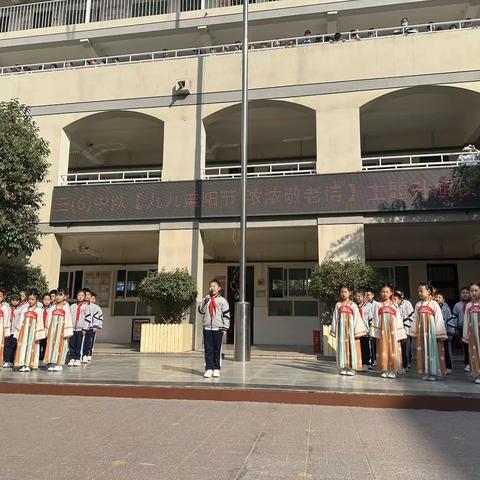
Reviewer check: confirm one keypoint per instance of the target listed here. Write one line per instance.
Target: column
(183, 248)
(341, 241)
(48, 258)
(338, 140)
(184, 144)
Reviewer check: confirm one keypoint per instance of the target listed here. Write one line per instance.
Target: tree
(23, 165)
(331, 275)
(169, 293)
(22, 277)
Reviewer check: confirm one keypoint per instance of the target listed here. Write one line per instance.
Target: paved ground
(79, 438)
(269, 373)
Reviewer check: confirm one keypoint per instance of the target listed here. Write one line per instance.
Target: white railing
(96, 178)
(291, 42)
(72, 12)
(276, 169)
(421, 160)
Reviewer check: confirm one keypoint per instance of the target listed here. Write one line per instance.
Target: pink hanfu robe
(471, 335)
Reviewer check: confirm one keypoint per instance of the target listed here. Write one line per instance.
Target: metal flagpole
(242, 307)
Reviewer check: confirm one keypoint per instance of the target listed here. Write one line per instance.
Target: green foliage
(169, 293)
(22, 277)
(331, 275)
(23, 164)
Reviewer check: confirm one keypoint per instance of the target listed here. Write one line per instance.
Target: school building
(357, 124)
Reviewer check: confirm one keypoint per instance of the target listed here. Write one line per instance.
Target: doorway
(444, 277)
(233, 294)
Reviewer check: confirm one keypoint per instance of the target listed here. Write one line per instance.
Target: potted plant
(170, 294)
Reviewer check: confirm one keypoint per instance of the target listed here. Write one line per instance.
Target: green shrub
(14, 278)
(331, 275)
(169, 293)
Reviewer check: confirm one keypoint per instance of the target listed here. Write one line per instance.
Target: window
(126, 293)
(288, 293)
(73, 281)
(133, 281)
(399, 277)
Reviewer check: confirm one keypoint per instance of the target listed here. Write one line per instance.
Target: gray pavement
(270, 373)
(80, 438)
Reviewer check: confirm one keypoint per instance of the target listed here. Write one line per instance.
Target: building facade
(357, 125)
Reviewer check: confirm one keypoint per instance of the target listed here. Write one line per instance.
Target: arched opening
(282, 139)
(115, 146)
(429, 123)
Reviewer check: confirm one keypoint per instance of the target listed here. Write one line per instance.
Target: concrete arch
(279, 130)
(115, 139)
(423, 118)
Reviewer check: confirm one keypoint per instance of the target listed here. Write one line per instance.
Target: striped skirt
(28, 350)
(57, 345)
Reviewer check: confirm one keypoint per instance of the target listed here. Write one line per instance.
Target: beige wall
(341, 242)
(48, 258)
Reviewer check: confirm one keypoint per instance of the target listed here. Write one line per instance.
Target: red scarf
(45, 313)
(212, 307)
(79, 306)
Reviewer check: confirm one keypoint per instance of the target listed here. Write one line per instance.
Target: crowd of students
(41, 331)
(384, 334)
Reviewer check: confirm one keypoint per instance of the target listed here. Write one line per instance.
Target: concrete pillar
(48, 258)
(338, 140)
(183, 248)
(184, 144)
(341, 241)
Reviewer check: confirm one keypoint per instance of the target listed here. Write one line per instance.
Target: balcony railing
(291, 42)
(278, 169)
(102, 178)
(72, 12)
(422, 160)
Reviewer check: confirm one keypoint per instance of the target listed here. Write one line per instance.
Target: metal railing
(291, 42)
(72, 12)
(274, 169)
(421, 160)
(102, 178)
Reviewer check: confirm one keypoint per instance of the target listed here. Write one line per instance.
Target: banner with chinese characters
(349, 193)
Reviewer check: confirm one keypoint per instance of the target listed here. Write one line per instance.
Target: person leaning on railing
(470, 155)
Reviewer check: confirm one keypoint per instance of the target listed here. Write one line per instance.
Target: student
(459, 312)
(216, 322)
(347, 327)
(79, 314)
(95, 317)
(370, 296)
(471, 325)
(428, 328)
(11, 341)
(23, 299)
(28, 333)
(53, 294)
(59, 330)
(387, 328)
(447, 319)
(47, 306)
(406, 313)
(366, 313)
(5, 325)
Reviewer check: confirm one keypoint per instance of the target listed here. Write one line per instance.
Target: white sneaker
(477, 380)
(85, 359)
(51, 369)
(6, 365)
(365, 368)
(343, 372)
(391, 375)
(467, 369)
(58, 368)
(384, 375)
(71, 363)
(425, 377)
(208, 374)
(24, 369)
(350, 373)
(77, 363)
(216, 373)
(432, 378)
(89, 358)
(449, 371)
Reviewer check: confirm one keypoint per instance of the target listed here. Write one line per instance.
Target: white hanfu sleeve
(333, 327)
(414, 326)
(360, 330)
(466, 321)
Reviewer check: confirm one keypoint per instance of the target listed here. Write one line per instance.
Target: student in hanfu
(471, 333)
(29, 331)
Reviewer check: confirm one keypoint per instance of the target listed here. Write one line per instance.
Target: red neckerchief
(45, 313)
(79, 307)
(212, 307)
